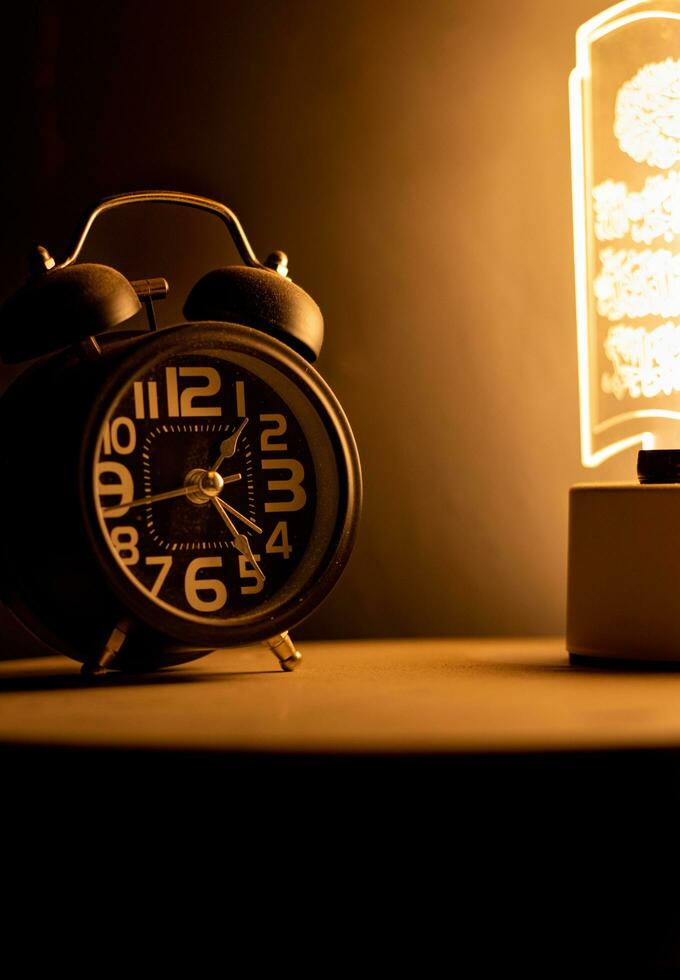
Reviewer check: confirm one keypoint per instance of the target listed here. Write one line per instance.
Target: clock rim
(302, 602)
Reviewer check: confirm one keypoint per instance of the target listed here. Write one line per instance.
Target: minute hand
(240, 541)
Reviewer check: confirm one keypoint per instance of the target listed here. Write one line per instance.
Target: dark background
(413, 160)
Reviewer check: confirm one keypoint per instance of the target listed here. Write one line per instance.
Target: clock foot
(284, 650)
(104, 660)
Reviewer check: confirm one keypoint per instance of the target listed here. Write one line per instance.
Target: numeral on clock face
(204, 594)
(146, 399)
(240, 399)
(164, 562)
(119, 436)
(183, 403)
(125, 541)
(292, 486)
(268, 444)
(247, 571)
(278, 541)
(114, 480)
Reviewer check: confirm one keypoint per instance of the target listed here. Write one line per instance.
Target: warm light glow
(625, 142)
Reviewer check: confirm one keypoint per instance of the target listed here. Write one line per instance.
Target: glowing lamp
(624, 538)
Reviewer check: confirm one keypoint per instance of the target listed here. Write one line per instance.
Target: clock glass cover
(215, 485)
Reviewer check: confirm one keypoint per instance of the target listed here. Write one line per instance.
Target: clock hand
(240, 541)
(228, 446)
(167, 495)
(224, 506)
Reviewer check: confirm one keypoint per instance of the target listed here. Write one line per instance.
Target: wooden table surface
(380, 763)
(388, 696)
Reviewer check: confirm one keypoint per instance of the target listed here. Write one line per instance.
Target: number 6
(192, 586)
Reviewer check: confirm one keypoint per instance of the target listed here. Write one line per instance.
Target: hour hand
(228, 446)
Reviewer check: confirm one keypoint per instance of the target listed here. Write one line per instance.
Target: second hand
(223, 505)
(167, 495)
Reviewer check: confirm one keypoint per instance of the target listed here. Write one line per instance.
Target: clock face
(216, 484)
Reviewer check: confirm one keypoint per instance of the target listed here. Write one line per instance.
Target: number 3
(298, 497)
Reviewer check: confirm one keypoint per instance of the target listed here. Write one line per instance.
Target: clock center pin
(211, 483)
(205, 484)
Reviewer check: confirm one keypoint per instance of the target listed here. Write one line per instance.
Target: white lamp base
(623, 592)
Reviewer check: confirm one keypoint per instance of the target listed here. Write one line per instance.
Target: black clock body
(199, 484)
(166, 492)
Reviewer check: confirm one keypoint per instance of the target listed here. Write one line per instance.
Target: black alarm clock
(168, 492)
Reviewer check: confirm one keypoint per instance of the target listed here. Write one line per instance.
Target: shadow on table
(70, 681)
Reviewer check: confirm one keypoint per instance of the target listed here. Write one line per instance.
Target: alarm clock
(170, 491)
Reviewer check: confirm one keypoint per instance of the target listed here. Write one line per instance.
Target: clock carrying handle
(90, 298)
(276, 261)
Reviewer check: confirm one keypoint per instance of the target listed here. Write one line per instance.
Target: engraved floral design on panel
(635, 283)
(647, 123)
(644, 362)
